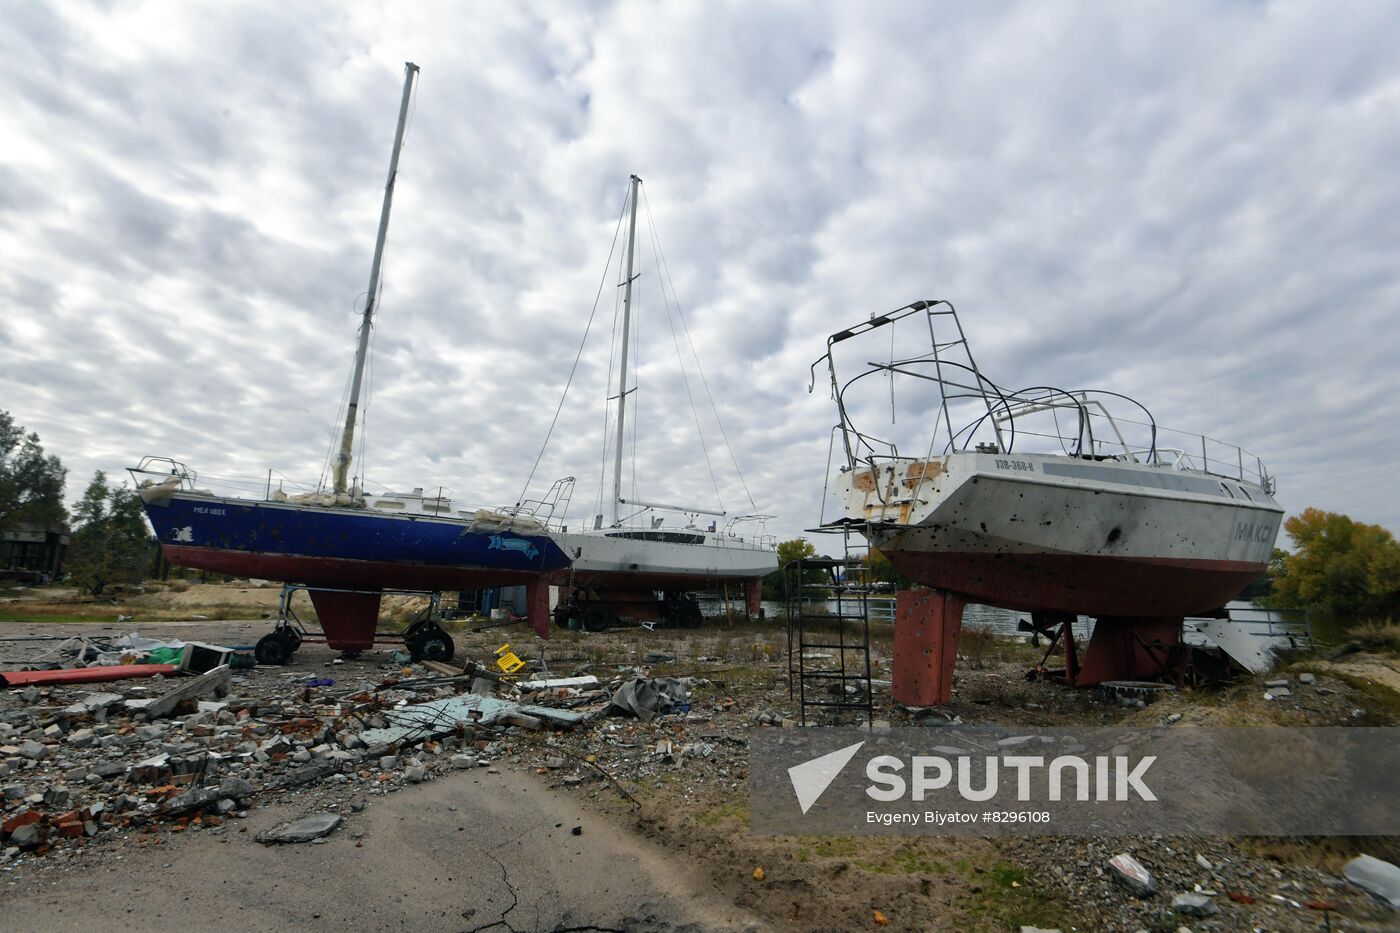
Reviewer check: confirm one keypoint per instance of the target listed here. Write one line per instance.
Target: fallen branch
(637, 804)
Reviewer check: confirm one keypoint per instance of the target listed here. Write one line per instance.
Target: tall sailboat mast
(347, 437)
(622, 375)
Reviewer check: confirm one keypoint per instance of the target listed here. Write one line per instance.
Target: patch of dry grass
(1381, 637)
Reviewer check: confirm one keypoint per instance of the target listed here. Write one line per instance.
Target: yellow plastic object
(507, 661)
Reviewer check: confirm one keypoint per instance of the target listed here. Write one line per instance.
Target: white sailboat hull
(621, 559)
(1040, 532)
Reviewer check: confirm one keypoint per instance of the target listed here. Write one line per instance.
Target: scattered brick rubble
(188, 753)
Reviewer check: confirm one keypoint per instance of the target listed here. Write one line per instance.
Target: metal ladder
(839, 688)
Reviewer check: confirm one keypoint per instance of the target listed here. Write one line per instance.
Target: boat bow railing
(550, 509)
(152, 471)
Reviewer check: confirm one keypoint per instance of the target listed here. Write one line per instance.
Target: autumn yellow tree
(1338, 565)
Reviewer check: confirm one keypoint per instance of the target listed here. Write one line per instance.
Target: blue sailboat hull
(346, 548)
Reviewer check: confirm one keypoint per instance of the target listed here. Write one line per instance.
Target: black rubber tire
(273, 649)
(432, 645)
(596, 618)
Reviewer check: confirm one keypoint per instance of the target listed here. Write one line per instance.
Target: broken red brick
(23, 819)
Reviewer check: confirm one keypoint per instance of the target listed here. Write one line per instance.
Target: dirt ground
(687, 808)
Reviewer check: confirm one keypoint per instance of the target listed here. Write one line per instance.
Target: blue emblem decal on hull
(502, 543)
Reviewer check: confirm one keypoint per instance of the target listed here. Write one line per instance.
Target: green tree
(774, 585)
(31, 482)
(1338, 565)
(883, 571)
(112, 543)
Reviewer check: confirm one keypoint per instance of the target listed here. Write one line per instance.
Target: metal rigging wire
(698, 368)
(578, 356)
(680, 360)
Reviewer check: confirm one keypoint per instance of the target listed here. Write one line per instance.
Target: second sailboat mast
(622, 375)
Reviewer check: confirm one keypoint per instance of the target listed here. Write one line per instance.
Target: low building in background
(32, 552)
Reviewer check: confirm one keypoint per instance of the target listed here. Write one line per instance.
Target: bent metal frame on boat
(1042, 500)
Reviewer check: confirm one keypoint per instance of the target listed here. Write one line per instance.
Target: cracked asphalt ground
(470, 851)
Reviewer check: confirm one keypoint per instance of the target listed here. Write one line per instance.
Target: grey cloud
(1193, 205)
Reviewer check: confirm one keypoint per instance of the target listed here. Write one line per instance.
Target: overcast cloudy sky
(1193, 203)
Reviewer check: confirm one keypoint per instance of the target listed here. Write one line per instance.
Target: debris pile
(188, 752)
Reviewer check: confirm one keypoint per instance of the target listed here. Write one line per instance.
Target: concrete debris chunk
(1131, 873)
(1378, 876)
(442, 717)
(192, 800)
(1194, 905)
(235, 787)
(91, 703)
(81, 738)
(213, 683)
(306, 829)
(26, 836)
(33, 750)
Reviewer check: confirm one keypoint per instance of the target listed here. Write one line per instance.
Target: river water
(881, 608)
(1328, 630)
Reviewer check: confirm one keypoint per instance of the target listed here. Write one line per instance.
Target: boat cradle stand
(348, 622)
(928, 623)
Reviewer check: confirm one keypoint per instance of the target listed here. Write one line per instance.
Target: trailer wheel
(432, 645)
(274, 649)
(596, 618)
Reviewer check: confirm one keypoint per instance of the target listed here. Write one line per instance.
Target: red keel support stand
(1127, 649)
(926, 627)
(537, 607)
(754, 598)
(348, 619)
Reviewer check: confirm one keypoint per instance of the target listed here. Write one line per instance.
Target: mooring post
(926, 627)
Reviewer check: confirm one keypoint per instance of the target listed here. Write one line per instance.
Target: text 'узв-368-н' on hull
(1044, 501)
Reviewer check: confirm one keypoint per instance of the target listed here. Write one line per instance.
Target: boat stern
(897, 491)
